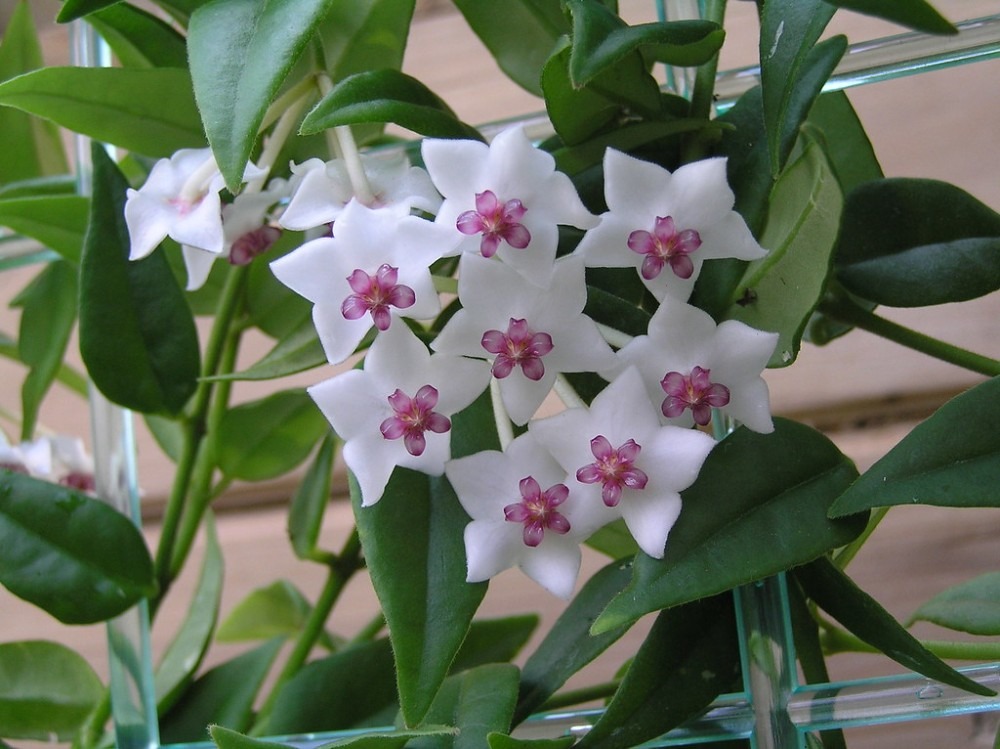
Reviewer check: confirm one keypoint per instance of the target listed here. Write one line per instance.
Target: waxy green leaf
(494, 641)
(917, 14)
(779, 292)
(917, 242)
(240, 53)
(477, 702)
(387, 96)
(56, 221)
(952, 459)
(365, 35)
(69, 554)
(46, 690)
(741, 524)
(137, 335)
(972, 606)
(690, 657)
(308, 505)
(139, 39)
(299, 351)
(149, 111)
(836, 593)
(503, 741)
(74, 9)
(277, 610)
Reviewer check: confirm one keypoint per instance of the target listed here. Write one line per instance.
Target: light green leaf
(139, 39)
(137, 335)
(73, 556)
(917, 14)
(272, 306)
(183, 656)
(73, 9)
(503, 741)
(277, 610)
(149, 111)
(365, 35)
(951, 459)
(298, 351)
(56, 221)
(494, 641)
(46, 690)
(741, 524)
(240, 53)
(268, 437)
(226, 738)
(779, 292)
(972, 606)
(477, 702)
(305, 514)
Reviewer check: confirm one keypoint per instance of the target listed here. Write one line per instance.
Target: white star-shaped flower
(529, 333)
(689, 366)
(666, 224)
(395, 411)
(505, 199)
(374, 269)
(624, 462)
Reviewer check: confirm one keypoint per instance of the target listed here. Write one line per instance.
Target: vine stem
(847, 312)
(843, 557)
(703, 93)
(836, 640)
(572, 697)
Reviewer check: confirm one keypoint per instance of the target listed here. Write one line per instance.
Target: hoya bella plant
(641, 265)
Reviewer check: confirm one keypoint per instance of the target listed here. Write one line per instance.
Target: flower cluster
(60, 459)
(519, 326)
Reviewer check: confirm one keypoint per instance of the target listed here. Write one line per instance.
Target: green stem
(573, 697)
(847, 312)
(370, 631)
(836, 640)
(703, 94)
(843, 557)
(92, 730)
(347, 563)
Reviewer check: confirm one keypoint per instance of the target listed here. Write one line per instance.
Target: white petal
(554, 564)
(198, 264)
(490, 548)
(309, 270)
(633, 186)
(455, 166)
(202, 227)
(148, 221)
(699, 194)
(649, 517)
(368, 460)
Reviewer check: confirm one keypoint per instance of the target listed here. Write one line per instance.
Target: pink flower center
(614, 469)
(537, 510)
(665, 246)
(184, 206)
(78, 480)
(412, 417)
(695, 391)
(14, 468)
(497, 222)
(253, 243)
(375, 295)
(519, 346)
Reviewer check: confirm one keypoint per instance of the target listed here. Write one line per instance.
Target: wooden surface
(863, 392)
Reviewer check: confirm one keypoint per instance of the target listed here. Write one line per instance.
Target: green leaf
(568, 646)
(226, 738)
(356, 684)
(269, 437)
(494, 641)
(428, 604)
(779, 292)
(278, 610)
(790, 68)
(520, 34)
(308, 505)
(748, 167)
(137, 335)
(917, 14)
(836, 594)
(601, 40)
(917, 242)
(46, 690)
(240, 53)
(614, 540)
(168, 433)
(741, 524)
(66, 375)
(185, 652)
(503, 741)
(150, 111)
(298, 351)
(689, 658)
(365, 35)
(139, 39)
(577, 114)
(56, 221)
(952, 459)
(39, 149)
(47, 318)
(835, 125)
(272, 306)
(73, 9)
(387, 96)
(972, 606)
(223, 696)
(394, 739)
(70, 554)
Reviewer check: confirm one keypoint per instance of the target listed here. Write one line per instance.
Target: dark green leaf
(503, 741)
(835, 125)
(223, 696)
(180, 10)
(68, 553)
(779, 292)
(268, 437)
(46, 690)
(305, 514)
(183, 656)
(74, 9)
(39, 149)
(428, 604)
(917, 242)
(689, 658)
(139, 39)
(494, 641)
(741, 524)
(569, 646)
(520, 34)
(47, 318)
(917, 14)
(56, 221)
(299, 351)
(38, 187)
(790, 68)
(972, 606)
(365, 35)
(272, 306)
(392, 739)
(951, 459)
(137, 335)
(748, 169)
(614, 540)
(240, 53)
(356, 684)
(387, 96)
(278, 610)
(149, 111)
(836, 594)
(576, 114)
